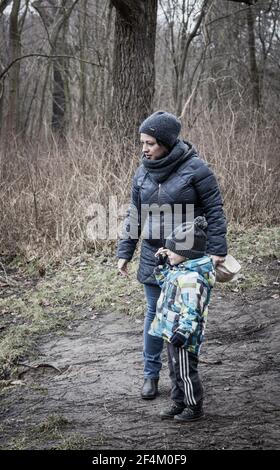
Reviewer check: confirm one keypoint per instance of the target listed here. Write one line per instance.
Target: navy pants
(152, 345)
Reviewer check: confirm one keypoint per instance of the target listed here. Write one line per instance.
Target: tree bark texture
(15, 49)
(59, 98)
(133, 66)
(256, 98)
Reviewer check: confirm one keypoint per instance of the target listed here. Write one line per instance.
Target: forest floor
(71, 357)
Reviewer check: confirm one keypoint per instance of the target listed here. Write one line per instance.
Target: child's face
(174, 258)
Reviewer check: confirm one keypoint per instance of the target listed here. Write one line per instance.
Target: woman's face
(151, 148)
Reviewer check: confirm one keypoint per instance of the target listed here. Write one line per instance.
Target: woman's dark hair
(159, 142)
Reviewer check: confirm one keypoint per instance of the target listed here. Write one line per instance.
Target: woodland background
(77, 78)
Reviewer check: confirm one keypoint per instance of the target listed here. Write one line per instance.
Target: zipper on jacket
(160, 215)
(159, 188)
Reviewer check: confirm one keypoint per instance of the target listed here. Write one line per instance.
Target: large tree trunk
(133, 67)
(1, 103)
(256, 98)
(15, 49)
(59, 99)
(83, 82)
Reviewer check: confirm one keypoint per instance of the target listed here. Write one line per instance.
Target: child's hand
(160, 257)
(161, 251)
(178, 340)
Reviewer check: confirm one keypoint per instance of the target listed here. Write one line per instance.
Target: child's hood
(204, 266)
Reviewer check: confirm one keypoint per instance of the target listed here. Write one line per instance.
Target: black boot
(191, 413)
(150, 389)
(172, 411)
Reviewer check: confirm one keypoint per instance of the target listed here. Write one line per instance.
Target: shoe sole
(152, 397)
(183, 421)
(167, 417)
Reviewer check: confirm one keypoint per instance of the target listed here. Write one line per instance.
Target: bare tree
(56, 17)
(256, 98)
(14, 49)
(133, 66)
(184, 22)
(248, 2)
(92, 63)
(3, 5)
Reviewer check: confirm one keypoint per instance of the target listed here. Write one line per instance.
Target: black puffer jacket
(192, 182)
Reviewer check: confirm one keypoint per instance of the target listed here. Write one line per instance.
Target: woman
(171, 174)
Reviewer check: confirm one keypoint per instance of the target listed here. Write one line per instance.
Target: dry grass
(47, 186)
(47, 190)
(244, 155)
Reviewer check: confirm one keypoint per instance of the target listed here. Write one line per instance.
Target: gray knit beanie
(178, 241)
(163, 126)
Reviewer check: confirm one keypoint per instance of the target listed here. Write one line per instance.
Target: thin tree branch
(192, 34)
(248, 2)
(3, 5)
(227, 16)
(45, 19)
(5, 71)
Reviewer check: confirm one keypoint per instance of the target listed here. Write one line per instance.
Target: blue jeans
(152, 345)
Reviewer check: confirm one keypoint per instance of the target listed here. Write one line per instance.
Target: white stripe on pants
(183, 370)
(185, 376)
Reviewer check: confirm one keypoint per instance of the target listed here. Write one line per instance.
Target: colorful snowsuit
(183, 306)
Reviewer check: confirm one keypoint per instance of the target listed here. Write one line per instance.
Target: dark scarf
(163, 167)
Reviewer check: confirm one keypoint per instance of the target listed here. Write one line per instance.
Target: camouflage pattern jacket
(183, 303)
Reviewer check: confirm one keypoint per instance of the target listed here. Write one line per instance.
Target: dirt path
(93, 402)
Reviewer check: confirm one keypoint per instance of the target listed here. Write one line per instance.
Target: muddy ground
(90, 397)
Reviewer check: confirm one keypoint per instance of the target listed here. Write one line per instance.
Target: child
(186, 284)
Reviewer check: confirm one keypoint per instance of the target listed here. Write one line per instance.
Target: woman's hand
(122, 266)
(217, 260)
